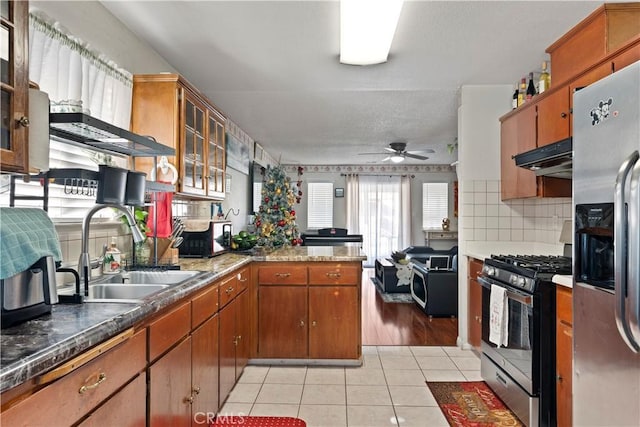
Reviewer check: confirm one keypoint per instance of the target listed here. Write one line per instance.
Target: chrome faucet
(84, 263)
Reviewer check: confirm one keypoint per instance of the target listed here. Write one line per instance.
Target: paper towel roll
(38, 130)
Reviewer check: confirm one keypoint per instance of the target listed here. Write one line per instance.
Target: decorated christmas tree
(276, 217)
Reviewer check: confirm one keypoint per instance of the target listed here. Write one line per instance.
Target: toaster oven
(205, 243)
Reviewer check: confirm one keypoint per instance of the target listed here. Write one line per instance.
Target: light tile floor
(389, 389)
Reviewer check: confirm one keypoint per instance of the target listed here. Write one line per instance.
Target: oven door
(516, 359)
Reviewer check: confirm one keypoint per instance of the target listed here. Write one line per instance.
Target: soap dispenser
(112, 259)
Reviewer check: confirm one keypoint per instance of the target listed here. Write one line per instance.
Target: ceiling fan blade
(386, 158)
(426, 150)
(415, 156)
(366, 154)
(391, 150)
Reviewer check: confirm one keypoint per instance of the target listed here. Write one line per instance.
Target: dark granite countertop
(34, 347)
(37, 346)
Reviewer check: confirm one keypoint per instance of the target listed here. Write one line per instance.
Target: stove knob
(521, 282)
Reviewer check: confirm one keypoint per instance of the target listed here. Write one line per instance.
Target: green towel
(26, 235)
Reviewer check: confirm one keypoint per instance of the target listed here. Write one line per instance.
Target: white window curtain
(68, 69)
(381, 217)
(405, 212)
(353, 199)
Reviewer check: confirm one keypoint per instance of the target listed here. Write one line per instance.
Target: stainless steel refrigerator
(606, 293)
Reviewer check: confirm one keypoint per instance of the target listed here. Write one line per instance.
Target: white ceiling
(272, 67)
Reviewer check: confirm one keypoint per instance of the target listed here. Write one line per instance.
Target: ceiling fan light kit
(396, 158)
(399, 152)
(366, 30)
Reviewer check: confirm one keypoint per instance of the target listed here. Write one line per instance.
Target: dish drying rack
(83, 130)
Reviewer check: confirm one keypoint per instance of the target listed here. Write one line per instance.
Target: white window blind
(320, 205)
(435, 204)
(257, 196)
(64, 201)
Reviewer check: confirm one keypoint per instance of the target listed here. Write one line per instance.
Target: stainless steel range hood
(554, 160)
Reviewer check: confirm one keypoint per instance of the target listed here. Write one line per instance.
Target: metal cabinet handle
(563, 115)
(23, 121)
(101, 378)
(283, 274)
(302, 323)
(229, 290)
(188, 399)
(559, 378)
(196, 390)
(242, 279)
(333, 275)
(314, 323)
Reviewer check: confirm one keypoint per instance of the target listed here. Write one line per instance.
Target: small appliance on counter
(205, 238)
(29, 249)
(28, 294)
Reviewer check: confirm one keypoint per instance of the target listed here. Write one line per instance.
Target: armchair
(435, 291)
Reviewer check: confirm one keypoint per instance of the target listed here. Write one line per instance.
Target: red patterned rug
(472, 404)
(247, 421)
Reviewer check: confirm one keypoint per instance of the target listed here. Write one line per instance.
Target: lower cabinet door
(127, 408)
(243, 331)
(282, 322)
(334, 322)
(205, 365)
(228, 343)
(564, 362)
(170, 387)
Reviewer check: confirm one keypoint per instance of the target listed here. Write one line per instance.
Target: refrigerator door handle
(633, 282)
(619, 254)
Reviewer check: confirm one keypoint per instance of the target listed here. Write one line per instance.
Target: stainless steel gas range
(521, 370)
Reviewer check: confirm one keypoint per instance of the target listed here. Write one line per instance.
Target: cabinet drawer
(71, 397)
(228, 289)
(564, 305)
(204, 306)
(333, 274)
(127, 408)
(243, 279)
(282, 275)
(168, 330)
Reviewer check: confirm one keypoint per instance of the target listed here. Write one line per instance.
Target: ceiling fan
(397, 152)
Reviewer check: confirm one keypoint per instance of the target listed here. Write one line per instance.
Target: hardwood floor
(400, 323)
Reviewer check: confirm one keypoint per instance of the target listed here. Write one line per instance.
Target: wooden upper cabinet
(604, 31)
(168, 108)
(554, 117)
(627, 57)
(517, 135)
(14, 133)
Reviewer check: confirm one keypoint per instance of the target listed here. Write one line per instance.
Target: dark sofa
(386, 271)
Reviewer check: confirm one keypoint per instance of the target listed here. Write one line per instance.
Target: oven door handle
(522, 299)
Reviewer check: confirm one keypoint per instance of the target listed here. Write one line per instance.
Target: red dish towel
(162, 204)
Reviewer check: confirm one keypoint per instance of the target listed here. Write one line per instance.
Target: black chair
(436, 291)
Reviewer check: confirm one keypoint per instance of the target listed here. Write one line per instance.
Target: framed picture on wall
(339, 192)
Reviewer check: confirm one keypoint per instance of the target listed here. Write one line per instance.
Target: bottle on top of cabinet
(544, 82)
(531, 89)
(522, 92)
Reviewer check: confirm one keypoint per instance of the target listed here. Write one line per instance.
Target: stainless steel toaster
(28, 294)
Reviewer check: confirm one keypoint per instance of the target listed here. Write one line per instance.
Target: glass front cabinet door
(14, 133)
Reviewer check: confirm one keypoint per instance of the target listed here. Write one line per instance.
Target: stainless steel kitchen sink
(132, 286)
(115, 291)
(167, 277)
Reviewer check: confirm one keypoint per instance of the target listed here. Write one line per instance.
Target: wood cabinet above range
(171, 110)
(603, 43)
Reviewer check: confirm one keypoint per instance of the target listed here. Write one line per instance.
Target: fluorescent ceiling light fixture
(366, 30)
(396, 158)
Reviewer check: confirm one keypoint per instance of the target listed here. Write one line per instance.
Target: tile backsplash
(484, 217)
